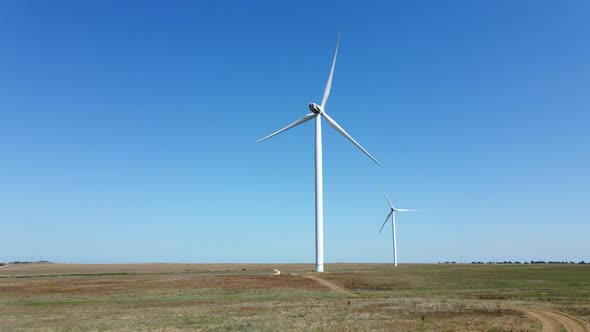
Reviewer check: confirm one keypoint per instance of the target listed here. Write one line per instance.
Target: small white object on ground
(276, 272)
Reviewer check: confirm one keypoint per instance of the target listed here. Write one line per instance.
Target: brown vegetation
(247, 297)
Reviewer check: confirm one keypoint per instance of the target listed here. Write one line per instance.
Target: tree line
(22, 262)
(517, 262)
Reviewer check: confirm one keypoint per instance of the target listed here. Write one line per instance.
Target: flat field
(350, 297)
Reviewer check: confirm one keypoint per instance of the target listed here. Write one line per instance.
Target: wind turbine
(317, 113)
(392, 215)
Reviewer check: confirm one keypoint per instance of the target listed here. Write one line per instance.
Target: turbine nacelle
(315, 108)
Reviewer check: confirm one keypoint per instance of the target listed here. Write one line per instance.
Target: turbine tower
(317, 113)
(392, 215)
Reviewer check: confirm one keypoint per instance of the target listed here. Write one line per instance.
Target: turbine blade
(294, 124)
(386, 220)
(408, 210)
(388, 201)
(329, 84)
(339, 129)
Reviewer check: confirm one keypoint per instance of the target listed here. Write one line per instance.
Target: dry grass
(172, 297)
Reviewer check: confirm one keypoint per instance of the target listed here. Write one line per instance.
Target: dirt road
(329, 285)
(551, 320)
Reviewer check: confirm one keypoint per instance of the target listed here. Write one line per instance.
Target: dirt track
(550, 319)
(553, 320)
(329, 285)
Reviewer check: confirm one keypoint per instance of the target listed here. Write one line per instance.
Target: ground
(350, 297)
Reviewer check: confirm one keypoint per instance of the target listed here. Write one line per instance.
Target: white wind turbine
(392, 215)
(317, 113)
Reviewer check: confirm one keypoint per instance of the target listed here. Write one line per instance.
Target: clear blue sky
(127, 131)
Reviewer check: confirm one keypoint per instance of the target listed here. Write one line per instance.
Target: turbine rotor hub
(315, 108)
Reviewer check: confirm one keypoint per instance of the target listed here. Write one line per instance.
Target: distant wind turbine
(392, 215)
(317, 113)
